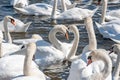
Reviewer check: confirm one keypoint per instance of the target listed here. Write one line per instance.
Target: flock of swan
(22, 62)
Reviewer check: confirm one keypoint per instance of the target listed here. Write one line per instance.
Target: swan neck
(104, 9)
(117, 68)
(108, 66)
(64, 5)
(28, 59)
(75, 44)
(53, 16)
(7, 34)
(1, 53)
(52, 38)
(91, 34)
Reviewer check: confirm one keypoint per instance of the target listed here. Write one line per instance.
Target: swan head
(72, 28)
(96, 55)
(115, 48)
(62, 29)
(10, 19)
(36, 36)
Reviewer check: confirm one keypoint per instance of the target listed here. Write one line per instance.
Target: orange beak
(89, 62)
(66, 35)
(13, 22)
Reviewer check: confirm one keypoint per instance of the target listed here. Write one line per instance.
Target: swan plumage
(110, 30)
(36, 9)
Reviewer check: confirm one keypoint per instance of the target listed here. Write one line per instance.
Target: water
(41, 25)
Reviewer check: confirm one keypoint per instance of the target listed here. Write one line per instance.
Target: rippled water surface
(41, 25)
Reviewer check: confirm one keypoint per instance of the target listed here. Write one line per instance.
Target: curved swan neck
(104, 9)
(108, 67)
(73, 50)
(91, 34)
(117, 67)
(64, 5)
(30, 51)
(52, 38)
(7, 34)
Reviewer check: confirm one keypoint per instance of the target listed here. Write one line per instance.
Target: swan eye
(12, 21)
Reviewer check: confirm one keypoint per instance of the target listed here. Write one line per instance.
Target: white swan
(47, 55)
(9, 70)
(100, 69)
(36, 9)
(109, 29)
(19, 3)
(71, 14)
(7, 47)
(110, 15)
(116, 50)
(19, 27)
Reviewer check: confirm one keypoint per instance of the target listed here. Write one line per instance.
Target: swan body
(19, 27)
(46, 55)
(8, 48)
(36, 9)
(76, 14)
(113, 15)
(10, 72)
(19, 3)
(110, 30)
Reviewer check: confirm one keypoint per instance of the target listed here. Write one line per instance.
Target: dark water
(41, 25)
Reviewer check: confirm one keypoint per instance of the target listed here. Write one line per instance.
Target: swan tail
(94, 11)
(26, 26)
(98, 25)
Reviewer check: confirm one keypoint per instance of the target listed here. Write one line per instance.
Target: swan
(110, 15)
(19, 3)
(62, 46)
(9, 72)
(7, 47)
(71, 14)
(99, 69)
(109, 29)
(36, 9)
(116, 50)
(19, 27)
(68, 3)
(46, 54)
